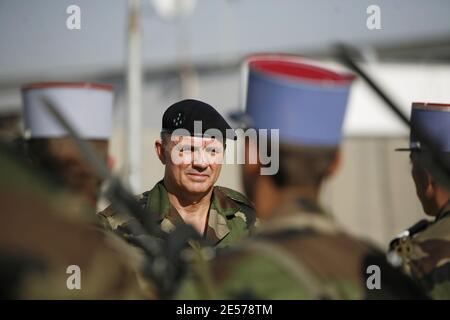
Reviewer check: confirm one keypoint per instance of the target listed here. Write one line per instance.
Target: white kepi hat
(86, 106)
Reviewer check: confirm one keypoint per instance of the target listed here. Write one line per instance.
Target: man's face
(193, 164)
(424, 189)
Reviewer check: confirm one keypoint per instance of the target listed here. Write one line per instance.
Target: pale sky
(34, 39)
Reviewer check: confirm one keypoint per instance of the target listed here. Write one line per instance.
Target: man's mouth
(198, 176)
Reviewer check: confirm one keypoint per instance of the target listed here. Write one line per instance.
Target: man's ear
(252, 163)
(422, 178)
(431, 186)
(110, 162)
(160, 151)
(335, 164)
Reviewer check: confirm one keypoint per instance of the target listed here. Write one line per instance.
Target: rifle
(434, 160)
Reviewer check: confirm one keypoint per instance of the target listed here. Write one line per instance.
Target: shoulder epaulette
(236, 196)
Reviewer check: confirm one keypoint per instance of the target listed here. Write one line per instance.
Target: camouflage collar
(308, 222)
(222, 201)
(158, 201)
(300, 205)
(297, 213)
(222, 207)
(443, 212)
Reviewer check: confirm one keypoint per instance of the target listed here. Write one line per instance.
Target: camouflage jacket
(45, 236)
(301, 254)
(424, 252)
(231, 215)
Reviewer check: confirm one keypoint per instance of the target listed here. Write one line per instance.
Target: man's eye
(215, 151)
(185, 149)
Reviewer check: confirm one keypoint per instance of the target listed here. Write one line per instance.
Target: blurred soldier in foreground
(11, 130)
(424, 249)
(41, 247)
(193, 160)
(49, 246)
(300, 252)
(88, 107)
(9, 126)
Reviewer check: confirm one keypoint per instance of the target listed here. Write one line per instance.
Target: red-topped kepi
(305, 102)
(432, 120)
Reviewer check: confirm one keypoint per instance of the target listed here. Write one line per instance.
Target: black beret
(182, 114)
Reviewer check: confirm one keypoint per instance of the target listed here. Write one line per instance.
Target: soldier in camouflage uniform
(187, 193)
(423, 250)
(87, 107)
(44, 230)
(300, 252)
(44, 227)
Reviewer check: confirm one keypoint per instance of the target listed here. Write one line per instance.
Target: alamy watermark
(73, 21)
(74, 280)
(373, 21)
(373, 281)
(262, 147)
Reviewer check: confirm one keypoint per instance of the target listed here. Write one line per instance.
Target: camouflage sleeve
(246, 208)
(425, 257)
(428, 256)
(251, 218)
(103, 223)
(112, 220)
(439, 281)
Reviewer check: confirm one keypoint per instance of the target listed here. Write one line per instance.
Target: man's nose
(200, 159)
